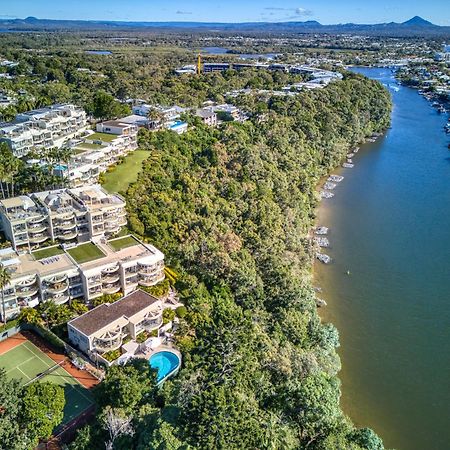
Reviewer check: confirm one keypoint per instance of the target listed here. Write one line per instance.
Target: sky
(324, 11)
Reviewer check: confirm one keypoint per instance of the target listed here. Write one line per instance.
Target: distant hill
(416, 26)
(417, 21)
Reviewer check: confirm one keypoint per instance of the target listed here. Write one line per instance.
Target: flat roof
(107, 313)
(125, 254)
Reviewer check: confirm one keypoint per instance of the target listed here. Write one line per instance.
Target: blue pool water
(165, 363)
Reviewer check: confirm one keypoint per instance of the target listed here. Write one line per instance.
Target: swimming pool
(165, 362)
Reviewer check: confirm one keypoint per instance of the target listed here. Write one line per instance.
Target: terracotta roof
(102, 315)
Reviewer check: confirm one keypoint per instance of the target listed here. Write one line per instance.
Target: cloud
(294, 13)
(184, 13)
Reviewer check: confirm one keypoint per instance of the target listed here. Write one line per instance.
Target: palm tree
(5, 278)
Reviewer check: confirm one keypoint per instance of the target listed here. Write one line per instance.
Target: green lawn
(85, 253)
(47, 252)
(124, 242)
(90, 146)
(105, 137)
(126, 173)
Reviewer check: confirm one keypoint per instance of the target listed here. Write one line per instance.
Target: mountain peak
(418, 22)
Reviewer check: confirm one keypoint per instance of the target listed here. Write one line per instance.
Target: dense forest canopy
(232, 208)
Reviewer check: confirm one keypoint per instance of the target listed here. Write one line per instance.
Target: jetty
(322, 241)
(322, 257)
(326, 194)
(321, 231)
(335, 178)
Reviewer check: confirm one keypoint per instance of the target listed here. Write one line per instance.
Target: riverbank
(389, 223)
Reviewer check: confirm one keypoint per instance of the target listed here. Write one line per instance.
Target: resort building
(68, 216)
(36, 278)
(105, 327)
(43, 128)
(119, 265)
(85, 271)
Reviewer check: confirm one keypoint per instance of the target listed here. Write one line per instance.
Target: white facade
(60, 278)
(104, 328)
(41, 128)
(69, 216)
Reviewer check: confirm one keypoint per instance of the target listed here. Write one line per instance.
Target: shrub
(112, 355)
(168, 315)
(181, 311)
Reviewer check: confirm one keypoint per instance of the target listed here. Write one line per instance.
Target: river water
(390, 227)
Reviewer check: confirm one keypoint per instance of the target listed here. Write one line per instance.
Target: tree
(12, 435)
(30, 315)
(104, 106)
(5, 278)
(127, 386)
(116, 424)
(42, 409)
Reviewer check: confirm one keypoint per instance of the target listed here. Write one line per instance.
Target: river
(390, 228)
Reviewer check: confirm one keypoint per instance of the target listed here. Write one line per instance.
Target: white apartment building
(34, 280)
(45, 127)
(86, 271)
(127, 264)
(117, 127)
(105, 327)
(69, 216)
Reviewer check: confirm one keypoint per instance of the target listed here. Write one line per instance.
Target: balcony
(110, 279)
(38, 228)
(111, 289)
(110, 340)
(58, 288)
(38, 238)
(26, 283)
(37, 220)
(59, 299)
(27, 292)
(111, 269)
(150, 324)
(151, 280)
(94, 281)
(95, 293)
(68, 236)
(57, 279)
(69, 225)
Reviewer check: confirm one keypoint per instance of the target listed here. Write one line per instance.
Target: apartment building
(34, 280)
(85, 271)
(105, 327)
(69, 216)
(123, 265)
(43, 128)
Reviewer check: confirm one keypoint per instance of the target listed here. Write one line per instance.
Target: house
(117, 127)
(105, 327)
(208, 117)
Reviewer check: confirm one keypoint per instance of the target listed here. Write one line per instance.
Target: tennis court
(27, 363)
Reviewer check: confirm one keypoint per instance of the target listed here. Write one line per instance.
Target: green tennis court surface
(26, 362)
